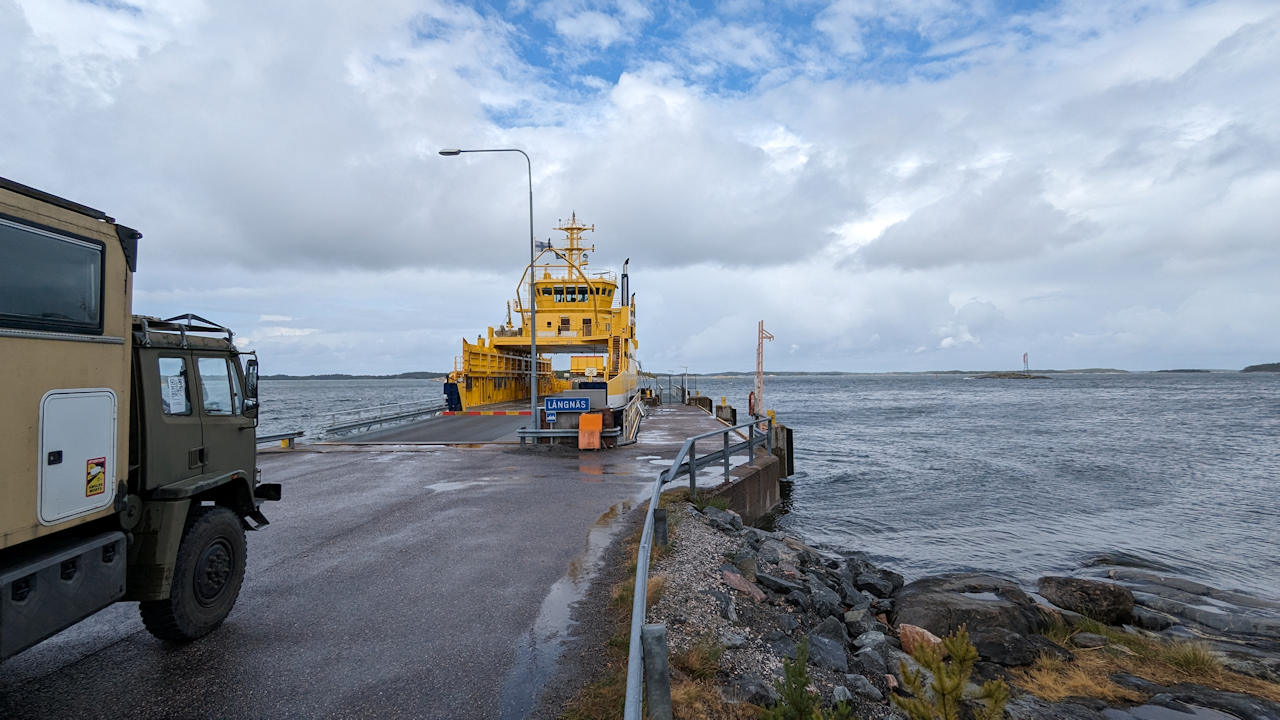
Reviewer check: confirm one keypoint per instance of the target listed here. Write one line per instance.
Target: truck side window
(49, 281)
(173, 386)
(215, 386)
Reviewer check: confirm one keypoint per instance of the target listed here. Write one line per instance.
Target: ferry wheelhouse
(587, 315)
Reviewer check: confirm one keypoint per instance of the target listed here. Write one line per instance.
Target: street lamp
(533, 306)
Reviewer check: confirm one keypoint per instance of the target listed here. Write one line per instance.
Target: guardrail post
(660, 526)
(693, 471)
(770, 439)
(657, 674)
(751, 441)
(726, 454)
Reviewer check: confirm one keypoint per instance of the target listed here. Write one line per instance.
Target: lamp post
(533, 305)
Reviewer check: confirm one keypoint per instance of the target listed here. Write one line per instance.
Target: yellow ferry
(587, 315)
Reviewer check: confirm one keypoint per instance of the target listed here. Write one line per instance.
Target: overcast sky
(888, 184)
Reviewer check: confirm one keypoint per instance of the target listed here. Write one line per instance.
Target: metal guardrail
(348, 420)
(264, 439)
(685, 462)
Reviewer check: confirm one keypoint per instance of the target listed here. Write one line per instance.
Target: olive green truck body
(127, 443)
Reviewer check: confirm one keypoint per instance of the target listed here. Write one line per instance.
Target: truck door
(228, 434)
(173, 441)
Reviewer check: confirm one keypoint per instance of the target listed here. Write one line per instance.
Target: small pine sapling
(943, 698)
(796, 701)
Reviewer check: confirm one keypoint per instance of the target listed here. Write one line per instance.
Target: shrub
(943, 697)
(797, 702)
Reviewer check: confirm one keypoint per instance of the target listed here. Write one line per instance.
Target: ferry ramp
(394, 581)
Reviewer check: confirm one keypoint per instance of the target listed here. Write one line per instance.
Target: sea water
(1179, 472)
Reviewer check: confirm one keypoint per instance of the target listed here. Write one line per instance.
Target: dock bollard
(657, 674)
(660, 526)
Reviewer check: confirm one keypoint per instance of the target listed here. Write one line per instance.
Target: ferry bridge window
(559, 293)
(49, 281)
(546, 291)
(582, 293)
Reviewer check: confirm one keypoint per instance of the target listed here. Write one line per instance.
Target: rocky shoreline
(756, 596)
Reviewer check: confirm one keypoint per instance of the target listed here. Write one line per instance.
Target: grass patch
(701, 661)
(705, 501)
(1160, 661)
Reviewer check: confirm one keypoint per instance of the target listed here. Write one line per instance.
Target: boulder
(777, 584)
(773, 550)
(871, 639)
(733, 638)
(787, 622)
(826, 646)
(1101, 601)
(882, 606)
(799, 599)
(1003, 647)
(915, 638)
(870, 661)
(825, 600)
(834, 629)
(1088, 640)
(841, 694)
(1045, 646)
(942, 603)
(863, 687)
(783, 647)
(858, 622)
(728, 609)
(805, 554)
(751, 689)
(726, 521)
(873, 584)
(742, 585)
(745, 561)
(861, 574)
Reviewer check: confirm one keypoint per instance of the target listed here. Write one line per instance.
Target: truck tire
(206, 577)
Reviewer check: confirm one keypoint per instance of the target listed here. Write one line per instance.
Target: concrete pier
(395, 580)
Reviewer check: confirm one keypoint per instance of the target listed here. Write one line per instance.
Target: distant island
(798, 373)
(1185, 370)
(1265, 367)
(1010, 376)
(343, 376)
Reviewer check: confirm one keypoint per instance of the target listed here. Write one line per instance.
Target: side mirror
(251, 388)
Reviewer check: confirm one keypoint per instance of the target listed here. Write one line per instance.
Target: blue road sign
(551, 416)
(567, 404)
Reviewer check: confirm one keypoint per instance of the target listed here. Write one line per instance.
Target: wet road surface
(393, 581)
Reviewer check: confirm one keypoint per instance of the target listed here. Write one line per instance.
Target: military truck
(127, 443)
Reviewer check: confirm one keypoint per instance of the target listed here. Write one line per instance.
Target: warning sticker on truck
(95, 477)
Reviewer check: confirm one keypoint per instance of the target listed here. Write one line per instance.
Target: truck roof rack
(182, 324)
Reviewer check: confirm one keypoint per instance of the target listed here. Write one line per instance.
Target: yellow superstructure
(584, 314)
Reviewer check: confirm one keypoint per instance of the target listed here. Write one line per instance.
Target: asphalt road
(427, 582)
(452, 429)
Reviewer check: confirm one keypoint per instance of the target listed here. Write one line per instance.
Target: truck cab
(127, 441)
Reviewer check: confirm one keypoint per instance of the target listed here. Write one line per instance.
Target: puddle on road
(455, 485)
(538, 651)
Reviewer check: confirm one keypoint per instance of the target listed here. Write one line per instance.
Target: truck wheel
(206, 577)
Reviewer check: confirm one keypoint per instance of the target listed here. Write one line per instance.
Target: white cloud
(1091, 183)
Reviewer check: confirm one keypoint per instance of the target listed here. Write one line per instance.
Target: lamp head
(450, 152)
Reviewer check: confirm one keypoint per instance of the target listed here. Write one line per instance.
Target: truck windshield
(49, 281)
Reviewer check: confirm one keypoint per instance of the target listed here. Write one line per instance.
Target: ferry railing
(759, 431)
(350, 420)
(631, 417)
